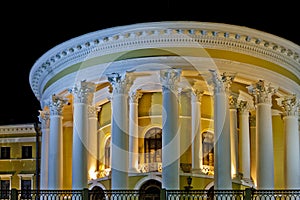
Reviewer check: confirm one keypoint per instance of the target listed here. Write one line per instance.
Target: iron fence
(85, 194)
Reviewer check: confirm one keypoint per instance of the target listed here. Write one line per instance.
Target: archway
(97, 193)
(150, 190)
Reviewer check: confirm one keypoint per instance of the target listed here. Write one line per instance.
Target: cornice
(17, 129)
(164, 34)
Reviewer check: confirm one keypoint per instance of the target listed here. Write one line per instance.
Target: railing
(85, 194)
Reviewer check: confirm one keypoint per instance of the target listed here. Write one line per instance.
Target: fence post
(85, 194)
(14, 194)
(248, 193)
(163, 194)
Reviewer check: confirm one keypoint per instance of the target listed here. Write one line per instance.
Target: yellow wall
(278, 143)
(16, 165)
(67, 155)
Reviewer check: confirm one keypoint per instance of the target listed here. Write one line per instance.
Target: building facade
(19, 158)
(151, 105)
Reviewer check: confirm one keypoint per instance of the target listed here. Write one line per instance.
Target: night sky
(29, 30)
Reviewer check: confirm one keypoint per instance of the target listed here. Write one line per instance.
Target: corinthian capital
(290, 105)
(56, 104)
(221, 83)
(262, 92)
(170, 78)
(44, 118)
(135, 95)
(227, 79)
(83, 92)
(120, 83)
(197, 95)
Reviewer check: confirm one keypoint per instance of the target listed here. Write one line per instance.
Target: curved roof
(143, 47)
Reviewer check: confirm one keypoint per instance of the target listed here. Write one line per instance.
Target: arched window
(152, 145)
(208, 148)
(107, 153)
(150, 190)
(97, 193)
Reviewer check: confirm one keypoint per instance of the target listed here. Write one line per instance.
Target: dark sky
(29, 30)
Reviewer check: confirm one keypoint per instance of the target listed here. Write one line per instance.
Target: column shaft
(44, 119)
(92, 143)
(292, 154)
(196, 134)
(222, 146)
(290, 105)
(55, 177)
(83, 96)
(244, 141)
(55, 166)
(119, 132)
(222, 156)
(264, 134)
(133, 132)
(264, 144)
(119, 142)
(170, 133)
(233, 142)
(170, 141)
(79, 150)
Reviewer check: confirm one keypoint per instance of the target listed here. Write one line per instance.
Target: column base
(247, 181)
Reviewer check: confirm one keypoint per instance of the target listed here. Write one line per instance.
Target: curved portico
(134, 71)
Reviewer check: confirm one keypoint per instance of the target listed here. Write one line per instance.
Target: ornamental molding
(17, 129)
(165, 34)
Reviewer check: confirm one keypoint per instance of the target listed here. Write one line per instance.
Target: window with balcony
(152, 149)
(208, 148)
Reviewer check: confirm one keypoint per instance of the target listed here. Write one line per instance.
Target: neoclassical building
(149, 105)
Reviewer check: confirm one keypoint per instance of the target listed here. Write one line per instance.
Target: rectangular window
(26, 152)
(5, 153)
(25, 189)
(4, 189)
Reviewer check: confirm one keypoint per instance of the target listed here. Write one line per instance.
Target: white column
(196, 131)
(290, 105)
(119, 134)
(244, 138)
(222, 152)
(44, 119)
(170, 132)
(55, 166)
(233, 136)
(133, 131)
(264, 134)
(83, 94)
(92, 141)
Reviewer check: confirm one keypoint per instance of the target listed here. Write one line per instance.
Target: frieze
(248, 41)
(16, 129)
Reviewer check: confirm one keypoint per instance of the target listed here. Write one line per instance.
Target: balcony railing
(157, 167)
(85, 194)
